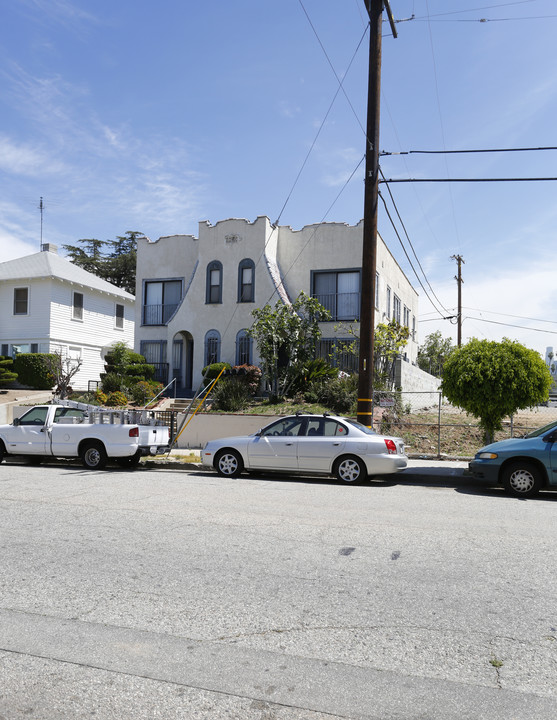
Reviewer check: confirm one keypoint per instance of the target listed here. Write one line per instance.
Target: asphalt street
(171, 593)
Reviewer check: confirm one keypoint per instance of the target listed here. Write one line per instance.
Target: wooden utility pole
(459, 259)
(371, 194)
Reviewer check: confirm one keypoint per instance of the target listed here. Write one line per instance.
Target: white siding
(25, 328)
(49, 322)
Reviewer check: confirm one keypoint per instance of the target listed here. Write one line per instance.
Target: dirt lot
(458, 434)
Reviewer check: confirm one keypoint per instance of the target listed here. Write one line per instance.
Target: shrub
(32, 370)
(230, 396)
(314, 371)
(210, 372)
(337, 394)
(116, 399)
(6, 370)
(144, 391)
(123, 361)
(248, 375)
(100, 397)
(112, 382)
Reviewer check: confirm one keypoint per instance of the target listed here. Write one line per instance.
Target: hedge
(32, 370)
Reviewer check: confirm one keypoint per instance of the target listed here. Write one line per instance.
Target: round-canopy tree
(492, 380)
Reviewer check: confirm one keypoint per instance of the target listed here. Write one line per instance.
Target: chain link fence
(429, 425)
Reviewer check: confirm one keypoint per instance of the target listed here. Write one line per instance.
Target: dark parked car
(524, 466)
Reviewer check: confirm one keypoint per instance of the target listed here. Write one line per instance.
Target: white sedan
(312, 445)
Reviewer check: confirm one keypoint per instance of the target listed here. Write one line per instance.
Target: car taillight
(134, 432)
(391, 447)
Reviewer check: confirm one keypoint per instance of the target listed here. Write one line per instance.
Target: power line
(463, 180)
(411, 245)
(455, 152)
(407, 256)
(476, 9)
(522, 317)
(340, 87)
(494, 322)
(497, 322)
(453, 212)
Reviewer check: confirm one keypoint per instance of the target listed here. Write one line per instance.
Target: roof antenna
(41, 208)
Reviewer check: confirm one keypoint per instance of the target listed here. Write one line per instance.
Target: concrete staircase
(178, 404)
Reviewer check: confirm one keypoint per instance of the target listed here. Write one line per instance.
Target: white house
(48, 304)
(195, 296)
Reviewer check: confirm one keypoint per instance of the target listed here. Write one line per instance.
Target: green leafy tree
(112, 260)
(6, 370)
(433, 353)
(88, 255)
(286, 337)
(492, 380)
(390, 339)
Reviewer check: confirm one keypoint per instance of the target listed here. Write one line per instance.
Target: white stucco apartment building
(48, 304)
(195, 295)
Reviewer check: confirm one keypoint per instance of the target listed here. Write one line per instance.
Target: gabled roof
(47, 264)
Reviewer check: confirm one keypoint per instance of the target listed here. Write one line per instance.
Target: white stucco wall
(280, 255)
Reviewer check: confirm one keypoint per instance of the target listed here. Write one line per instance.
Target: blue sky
(136, 115)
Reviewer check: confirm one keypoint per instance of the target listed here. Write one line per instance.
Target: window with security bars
(243, 348)
(212, 347)
(342, 353)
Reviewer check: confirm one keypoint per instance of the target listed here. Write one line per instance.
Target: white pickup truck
(92, 435)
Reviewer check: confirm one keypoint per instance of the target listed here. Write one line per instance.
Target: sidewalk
(418, 468)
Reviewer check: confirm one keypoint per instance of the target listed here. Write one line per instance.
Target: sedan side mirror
(550, 437)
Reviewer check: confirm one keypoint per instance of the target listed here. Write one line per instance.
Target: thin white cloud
(343, 162)
(29, 160)
(62, 12)
(288, 110)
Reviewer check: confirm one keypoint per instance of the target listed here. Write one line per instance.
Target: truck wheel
(2, 451)
(93, 456)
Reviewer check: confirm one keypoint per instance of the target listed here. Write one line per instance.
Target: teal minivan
(524, 466)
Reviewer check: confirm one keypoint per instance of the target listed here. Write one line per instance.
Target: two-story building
(48, 305)
(195, 295)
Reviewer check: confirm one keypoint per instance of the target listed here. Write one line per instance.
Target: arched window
(243, 348)
(246, 281)
(214, 282)
(212, 347)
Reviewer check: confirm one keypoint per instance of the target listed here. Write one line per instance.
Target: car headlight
(487, 456)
